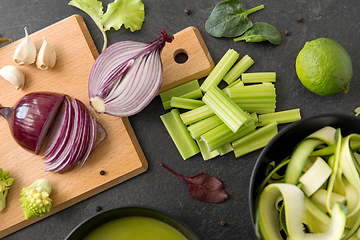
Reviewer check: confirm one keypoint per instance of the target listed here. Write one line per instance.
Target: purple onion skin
(30, 118)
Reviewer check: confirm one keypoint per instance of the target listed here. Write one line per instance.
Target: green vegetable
(5, 183)
(258, 77)
(260, 32)
(238, 69)
(226, 109)
(180, 134)
(220, 70)
(196, 115)
(35, 199)
(185, 103)
(129, 13)
(280, 117)
(229, 19)
(189, 90)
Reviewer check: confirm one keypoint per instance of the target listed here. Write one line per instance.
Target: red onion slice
(58, 130)
(127, 76)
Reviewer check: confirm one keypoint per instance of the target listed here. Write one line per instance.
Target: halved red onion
(72, 132)
(127, 76)
(30, 118)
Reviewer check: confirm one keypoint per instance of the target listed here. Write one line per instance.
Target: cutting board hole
(180, 56)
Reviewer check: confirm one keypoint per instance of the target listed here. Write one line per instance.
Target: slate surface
(157, 187)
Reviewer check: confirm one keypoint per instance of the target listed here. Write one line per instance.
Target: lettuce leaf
(129, 13)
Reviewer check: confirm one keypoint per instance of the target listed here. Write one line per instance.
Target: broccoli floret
(35, 199)
(5, 183)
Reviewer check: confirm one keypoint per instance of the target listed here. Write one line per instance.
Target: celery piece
(237, 83)
(254, 117)
(185, 144)
(280, 117)
(225, 149)
(185, 103)
(259, 91)
(199, 128)
(220, 70)
(225, 108)
(206, 155)
(196, 115)
(258, 77)
(187, 90)
(255, 140)
(238, 69)
(222, 135)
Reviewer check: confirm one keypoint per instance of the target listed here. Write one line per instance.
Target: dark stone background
(338, 20)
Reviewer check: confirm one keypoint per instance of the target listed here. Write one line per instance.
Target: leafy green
(129, 13)
(229, 19)
(261, 31)
(5, 183)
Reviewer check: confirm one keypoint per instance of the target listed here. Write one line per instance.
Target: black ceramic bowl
(84, 228)
(285, 141)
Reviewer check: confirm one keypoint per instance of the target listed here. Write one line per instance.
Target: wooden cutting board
(120, 154)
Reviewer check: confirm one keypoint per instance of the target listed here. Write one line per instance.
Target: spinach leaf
(259, 32)
(228, 19)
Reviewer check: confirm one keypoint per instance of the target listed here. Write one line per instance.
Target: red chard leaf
(203, 187)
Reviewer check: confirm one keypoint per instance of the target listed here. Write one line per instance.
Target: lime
(324, 67)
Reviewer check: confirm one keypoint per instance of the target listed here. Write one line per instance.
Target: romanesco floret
(35, 199)
(5, 183)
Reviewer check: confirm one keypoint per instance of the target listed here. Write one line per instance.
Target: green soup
(135, 228)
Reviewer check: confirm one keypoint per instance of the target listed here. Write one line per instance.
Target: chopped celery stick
(187, 90)
(185, 144)
(196, 115)
(258, 77)
(238, 69)
(255, 107)
(222, 135)
(225, 149)
(265, 100)
(237, 83)
(185, 103)
(254, 117)
(260, 110)
(220, 70)
(264, 90)
(205, 153)
(199, 128)
(255, 140)
(280, 117)
(225, 108)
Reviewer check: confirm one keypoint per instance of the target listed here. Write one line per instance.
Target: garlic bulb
(46, 57)
(13, 75)
(25, 52)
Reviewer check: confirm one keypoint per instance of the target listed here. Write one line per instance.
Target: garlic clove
(46, 57)
(25, 53)
(13, 75)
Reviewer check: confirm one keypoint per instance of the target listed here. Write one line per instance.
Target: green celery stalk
(220, 70)
(258, 77)
(280, 117)
(189, 90)
(178, 132)
(222, 134)
(199, 128)
(196, 115)
(264, 90)
(237, 83)
(206, 155)
(185, 103)
(238, 69)
(225, 108)
(255, 140)
(225, 149)
(254, 117)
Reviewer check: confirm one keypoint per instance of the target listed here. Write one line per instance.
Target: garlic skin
(46, 57)
(13, 75)
(25, 52)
